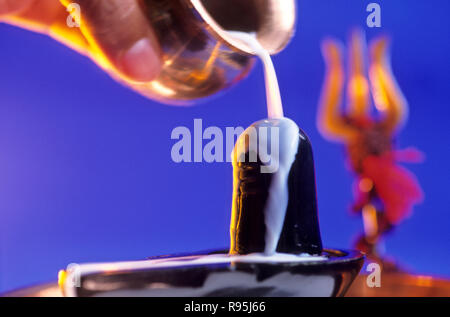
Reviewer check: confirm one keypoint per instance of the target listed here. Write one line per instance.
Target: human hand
(114, 33)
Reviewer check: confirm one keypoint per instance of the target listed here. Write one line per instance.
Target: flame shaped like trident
(385, 192)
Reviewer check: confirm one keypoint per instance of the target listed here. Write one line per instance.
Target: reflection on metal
(395, 284)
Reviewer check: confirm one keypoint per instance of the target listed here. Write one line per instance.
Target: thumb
(119, 31)
(13, 6)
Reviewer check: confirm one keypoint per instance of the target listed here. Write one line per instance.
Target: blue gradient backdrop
(85, 167)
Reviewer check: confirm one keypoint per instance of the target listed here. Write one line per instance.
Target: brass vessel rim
(285, 29)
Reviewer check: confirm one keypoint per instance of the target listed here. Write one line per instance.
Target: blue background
(85, 166)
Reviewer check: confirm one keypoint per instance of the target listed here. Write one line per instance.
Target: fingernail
(141, 62)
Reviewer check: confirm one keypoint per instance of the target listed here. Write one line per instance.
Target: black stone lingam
(300, 232)
(239, 271)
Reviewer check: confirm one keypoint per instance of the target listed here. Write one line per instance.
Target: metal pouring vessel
(199, 58)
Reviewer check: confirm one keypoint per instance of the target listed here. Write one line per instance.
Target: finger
(48, 17)
(120, 32)
(13, 6)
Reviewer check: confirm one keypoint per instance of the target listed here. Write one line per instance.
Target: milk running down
(273, 212)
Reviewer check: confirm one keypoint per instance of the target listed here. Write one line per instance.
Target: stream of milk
(277, 202)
